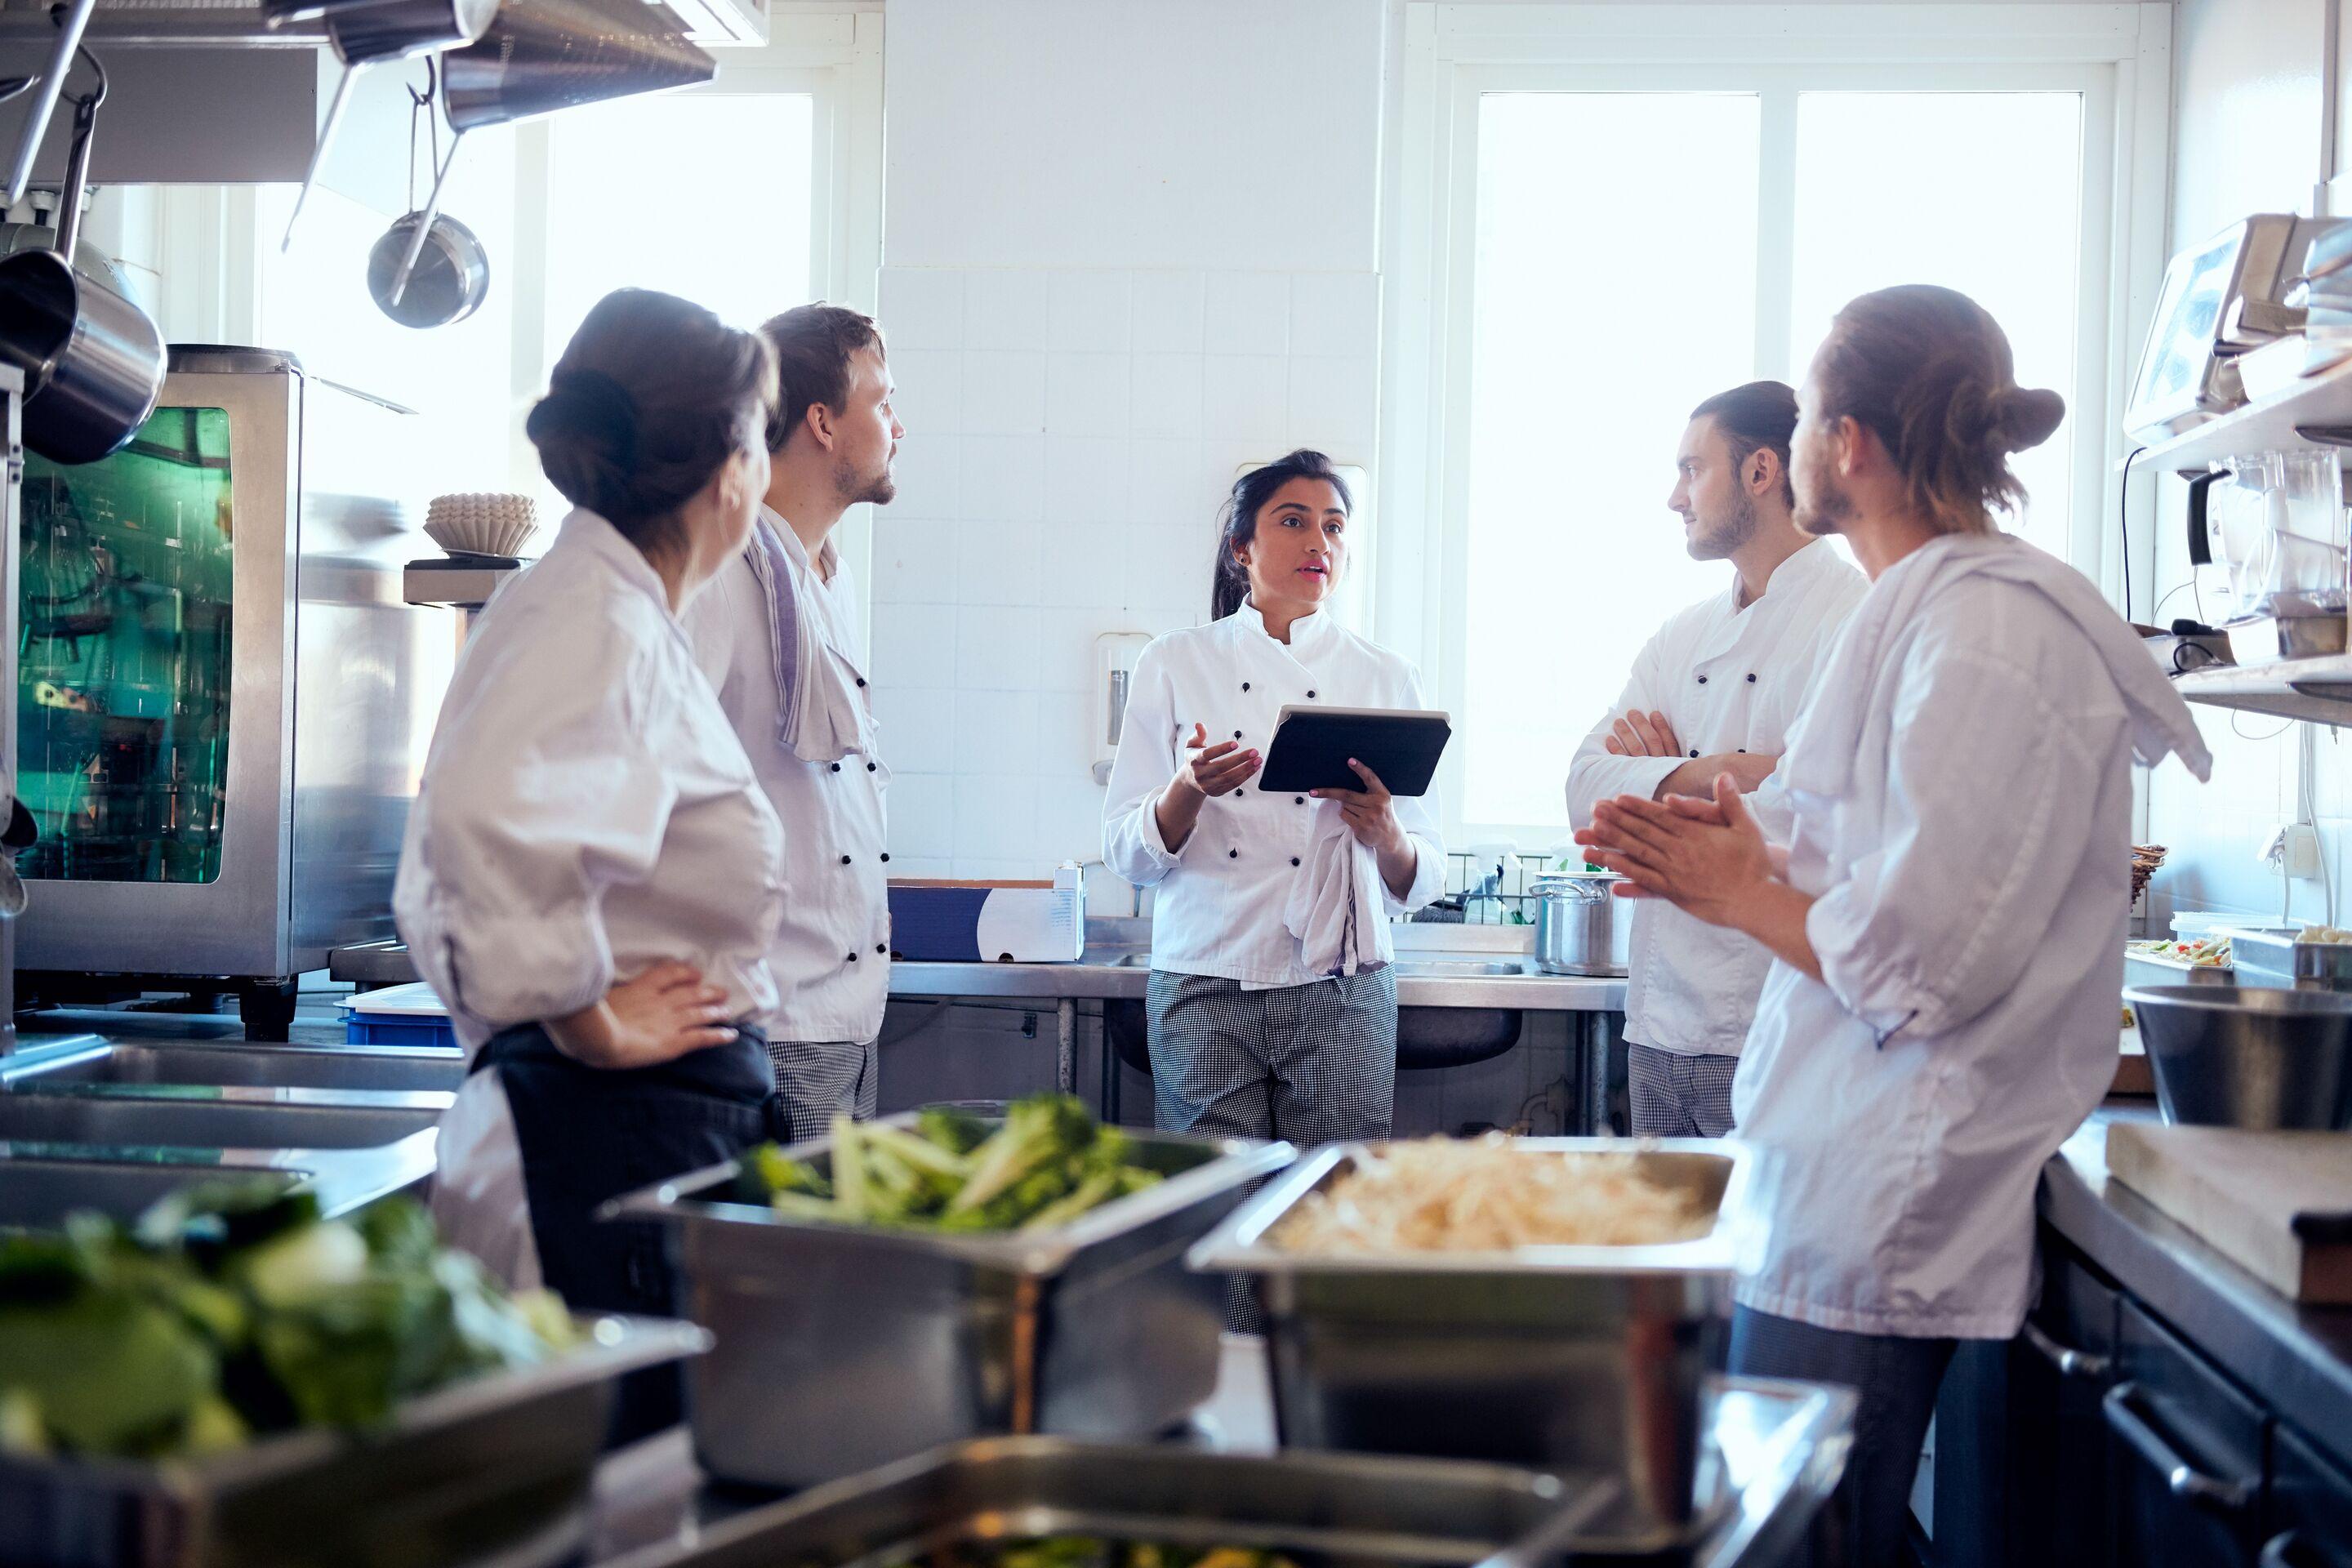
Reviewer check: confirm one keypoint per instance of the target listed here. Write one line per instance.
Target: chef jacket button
(1301, 800)
(1752, 677)
(1693, 751)
(1237, 734)
(853, 958)
(845, 859)
(1245, 685)
(861, 683)
(871, 766)
(1232, 854)
(837, 767)
(881, 947)
(1294, 860)
(886, 854)
(1702, 680)
(1310, 697)
(1743, 750)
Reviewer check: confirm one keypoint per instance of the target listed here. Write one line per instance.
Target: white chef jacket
(586, 812)
(1961, 790)
(832, 949)
(1219, 909)
(1728, 679)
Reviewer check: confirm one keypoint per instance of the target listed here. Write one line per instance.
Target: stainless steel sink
(209, 1062)
(202, 1117)
(1455, 968)
(38, 1194)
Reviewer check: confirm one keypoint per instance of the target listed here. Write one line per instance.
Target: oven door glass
(123, 704)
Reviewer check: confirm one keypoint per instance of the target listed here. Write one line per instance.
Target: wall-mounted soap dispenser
(1114, 656)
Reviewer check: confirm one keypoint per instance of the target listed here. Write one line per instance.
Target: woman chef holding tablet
(1272, 1007)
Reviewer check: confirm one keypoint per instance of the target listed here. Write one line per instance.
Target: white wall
(2247, 114)
(1090, 333)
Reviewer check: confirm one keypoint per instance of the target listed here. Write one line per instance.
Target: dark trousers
(1898, 1380)
(589, 1134)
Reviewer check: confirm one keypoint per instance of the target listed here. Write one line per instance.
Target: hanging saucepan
(449, 282)
(365, 33)
(541, 56)
(93, 362)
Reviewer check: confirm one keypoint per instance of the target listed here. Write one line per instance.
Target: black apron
(588, 1134)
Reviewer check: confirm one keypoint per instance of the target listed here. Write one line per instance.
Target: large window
(1614, 243)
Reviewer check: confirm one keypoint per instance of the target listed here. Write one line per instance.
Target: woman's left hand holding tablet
(667, 1012)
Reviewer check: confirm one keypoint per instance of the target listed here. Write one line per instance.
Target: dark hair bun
(586, 432)
(2025, 417)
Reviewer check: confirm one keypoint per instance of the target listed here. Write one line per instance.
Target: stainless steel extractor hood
(710, 23)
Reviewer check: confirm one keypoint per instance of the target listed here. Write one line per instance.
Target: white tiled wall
(1069, 436)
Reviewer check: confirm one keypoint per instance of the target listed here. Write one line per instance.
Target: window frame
(835, 56)
(2117, 55)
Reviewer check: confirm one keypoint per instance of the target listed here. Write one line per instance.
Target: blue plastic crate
(397, 1029)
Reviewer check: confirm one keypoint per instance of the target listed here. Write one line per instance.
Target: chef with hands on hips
(1714, 691)
(589, 879)
(1947, 920)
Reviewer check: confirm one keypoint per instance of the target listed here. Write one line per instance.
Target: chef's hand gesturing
(663, 1014)
(1213, 770)
(1205, 771)
(1370, 814)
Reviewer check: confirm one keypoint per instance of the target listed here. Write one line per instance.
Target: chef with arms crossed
(1715, 691)
(1946, 925)
(777, 633)
(590, 875)
(1271, 1006)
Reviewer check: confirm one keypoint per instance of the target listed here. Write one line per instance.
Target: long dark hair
(1237, 520)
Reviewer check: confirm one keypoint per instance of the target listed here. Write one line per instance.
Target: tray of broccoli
(233, 1379)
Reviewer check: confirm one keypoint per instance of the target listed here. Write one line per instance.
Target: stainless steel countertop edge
(2297, 1358)
(1101, 976)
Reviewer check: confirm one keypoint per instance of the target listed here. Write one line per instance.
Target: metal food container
(1579, 927)
(2253, 1057)
(841, 1347)
(1587, 1356)
(2277, 955)
(1776, 1450)
(495, 1470)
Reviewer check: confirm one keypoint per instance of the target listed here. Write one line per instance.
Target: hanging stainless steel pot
(1581, 926)
(542, 55)
(93, 362)
(449, 281)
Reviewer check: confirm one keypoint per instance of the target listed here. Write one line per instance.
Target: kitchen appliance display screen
(122, 701)
(2187, 318)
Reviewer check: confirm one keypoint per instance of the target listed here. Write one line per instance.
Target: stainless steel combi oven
(222, 699)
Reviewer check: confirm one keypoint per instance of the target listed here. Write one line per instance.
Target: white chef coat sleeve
(1595, 773)
(1418, 815)
(522, 850)
(1143, 766)
(1988, 797)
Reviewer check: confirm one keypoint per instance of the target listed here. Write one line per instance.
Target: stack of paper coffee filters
(2145, 859)
(482, 523)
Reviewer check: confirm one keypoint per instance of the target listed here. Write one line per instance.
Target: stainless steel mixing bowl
(2233, 1055)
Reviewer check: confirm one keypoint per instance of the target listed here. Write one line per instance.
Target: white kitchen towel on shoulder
(1334, 908)
(1823, 742)
(819, 718)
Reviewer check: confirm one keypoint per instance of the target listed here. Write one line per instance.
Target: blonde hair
(1930, 372)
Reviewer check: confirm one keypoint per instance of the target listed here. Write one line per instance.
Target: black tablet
(1312, 743)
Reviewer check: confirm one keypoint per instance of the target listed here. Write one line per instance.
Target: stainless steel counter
(1425, 979)
(2297, 1358)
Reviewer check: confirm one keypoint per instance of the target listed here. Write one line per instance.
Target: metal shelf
(2319, 690)
(2317, 411)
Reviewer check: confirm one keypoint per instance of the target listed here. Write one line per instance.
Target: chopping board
(2278, 1205)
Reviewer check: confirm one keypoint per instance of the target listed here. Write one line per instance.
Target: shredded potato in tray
(1487, 1195)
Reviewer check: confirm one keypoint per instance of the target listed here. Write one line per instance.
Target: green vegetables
(1090, 1551)
(1047, 1164)
(233, 1309)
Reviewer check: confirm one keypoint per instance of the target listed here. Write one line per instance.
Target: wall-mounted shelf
(2319, 690)
(2292, 418)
